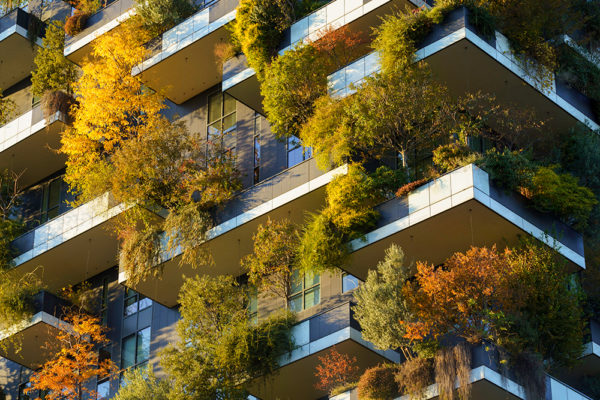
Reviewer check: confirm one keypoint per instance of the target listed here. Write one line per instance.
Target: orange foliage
(340, 46)
(65, 376)
(461, 296)
(336, 369)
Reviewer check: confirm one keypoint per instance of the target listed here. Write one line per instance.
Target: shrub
(454, 155)
(258, 29)
(335, 371)
(409, 187)
(7, 108)
(561, 195)
(510, 170)
(292, 84)
(56, 101)
(322, 247)
(379, 383)
(53, 72)
(141, 252)
(414, 376)
(16, 298)
(76, 23)
(141, 383)
(160, 15)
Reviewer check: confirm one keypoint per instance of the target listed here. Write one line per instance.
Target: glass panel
(54, 196)
(311, 279)
(307, 153)
(144, 303)
(229, 122)
(293, 142)
(256, 151)
(349, 282)
(312, 297)
(214, 130)
(103, 390)
(143, 345)
(131, 305)
(295, 303)
(229, 104)
(128, 352)
(296, 282)
(295, 157)
(214, 107)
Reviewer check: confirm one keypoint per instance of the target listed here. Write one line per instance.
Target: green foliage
(142, 384)
(160, 15)
(141, 253)
(510, 170)
(269, 266)
(293, 81)
(218, 348)
(549, 320)
(380, 303)
(347, 215)
(579, 73)
(451, 156)
(16, 298)
(258, 28)
(53, 71)
(7, 108)
(379, 383)
(562, 195)
(187, 229)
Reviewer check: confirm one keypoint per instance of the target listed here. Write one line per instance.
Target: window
(221, 120)
(103, 390)
(296, 153)
(36, 394)
(135, 302)
(256, 148)
(253, 305)
(349, 282)
(104, 302)
(136, 348)
(305, 291)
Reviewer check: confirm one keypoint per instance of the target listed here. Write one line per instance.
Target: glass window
(143, 345)
(128, 351)
(104, 302)
(222, 119)
(257, 154)
(296, 153)
(135, 302)
(305, 291)
(349, 282)
(103, 390)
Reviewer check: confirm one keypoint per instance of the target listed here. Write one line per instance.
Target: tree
(382, 309)
(76, 361)
(53, 70)
(7, 108)
(218, 349)
(336, 370)
(160, 15)
(142, 384)
(269, 267)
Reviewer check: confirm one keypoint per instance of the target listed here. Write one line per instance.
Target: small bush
(452, 156)
(562, 195)
(76, 23)
(160, 15)
(510, 170)
(379, 383)
(414, 376)
(55, 101)
(409, 187)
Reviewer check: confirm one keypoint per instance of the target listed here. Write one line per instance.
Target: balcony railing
(456, 28)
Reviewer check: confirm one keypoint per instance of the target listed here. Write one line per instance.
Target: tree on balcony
(76, 361)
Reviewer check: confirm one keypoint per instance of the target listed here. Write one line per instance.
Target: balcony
(454, 212)
(16, 49)
(295, 378)
(465, 61)
(26, 343)
(79, 46)
(289, 194)
(488, 384)
(27, 143)
(359, 15)
(71, 247)
(182, 60)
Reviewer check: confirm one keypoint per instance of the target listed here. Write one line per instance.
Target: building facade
(280, 179)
